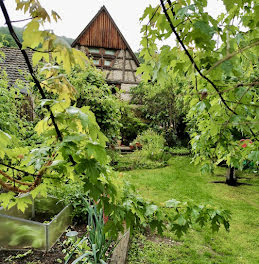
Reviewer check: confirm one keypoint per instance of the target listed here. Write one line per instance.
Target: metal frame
(46, 225)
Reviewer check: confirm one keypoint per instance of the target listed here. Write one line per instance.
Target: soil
(54, 256)
(42, 217)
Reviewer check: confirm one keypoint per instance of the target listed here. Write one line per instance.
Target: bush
(93, 91)
(13, 117)
(152, 144)
(73, 193)
(163, 109)
(131, 124)
(151, 155)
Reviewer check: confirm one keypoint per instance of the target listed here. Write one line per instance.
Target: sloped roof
(103, 32)
(14, 64)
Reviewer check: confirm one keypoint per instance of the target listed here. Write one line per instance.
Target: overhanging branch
(190, 57)
(28, 63)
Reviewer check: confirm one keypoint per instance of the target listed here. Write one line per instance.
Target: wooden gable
(102, 32)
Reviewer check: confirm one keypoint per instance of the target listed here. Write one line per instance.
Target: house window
(109, 52)
(107, 63)
(94, 50)
(96, 62)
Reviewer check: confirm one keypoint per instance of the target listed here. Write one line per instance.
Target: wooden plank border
(120, 252)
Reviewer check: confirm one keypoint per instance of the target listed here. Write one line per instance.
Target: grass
(183, 181)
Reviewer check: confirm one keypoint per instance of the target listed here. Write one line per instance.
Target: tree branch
(191, 58)
(231, 55)
(22, 20)
(14, 180)
(11, 167)
(37, 83)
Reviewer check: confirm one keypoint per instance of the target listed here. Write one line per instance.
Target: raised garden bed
(38, 227)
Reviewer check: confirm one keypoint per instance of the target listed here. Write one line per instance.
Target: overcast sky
(76, 14)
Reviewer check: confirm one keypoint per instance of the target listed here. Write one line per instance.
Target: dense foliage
(131, 124)
(93, 91)
(218, 57)
(13, 120)
(73, 146)
(6, 38)
(163, 109)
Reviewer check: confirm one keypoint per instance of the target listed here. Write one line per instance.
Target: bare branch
(22, 20)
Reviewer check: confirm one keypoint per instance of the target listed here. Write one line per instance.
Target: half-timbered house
(104, 43)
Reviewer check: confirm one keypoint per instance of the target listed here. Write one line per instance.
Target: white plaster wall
(121, 54)
(117, 75)
(118, 64)
(126, 87)
(127, 65)
(129, 77)
(128, 56)
(134, 65)
(138, 78)
(125, 96)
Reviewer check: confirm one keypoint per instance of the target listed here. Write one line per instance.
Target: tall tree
(219, 58)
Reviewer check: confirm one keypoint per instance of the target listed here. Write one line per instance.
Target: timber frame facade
(102, 41)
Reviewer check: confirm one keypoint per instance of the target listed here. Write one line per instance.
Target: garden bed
(56, 254)
(53, 256)
(39, 227)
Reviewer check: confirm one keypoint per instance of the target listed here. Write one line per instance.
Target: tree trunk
(231, 176)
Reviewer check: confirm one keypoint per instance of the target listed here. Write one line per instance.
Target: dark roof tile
(14, 64)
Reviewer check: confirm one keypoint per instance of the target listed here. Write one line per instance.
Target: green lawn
(183, 181)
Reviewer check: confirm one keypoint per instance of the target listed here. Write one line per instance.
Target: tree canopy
(219, 59)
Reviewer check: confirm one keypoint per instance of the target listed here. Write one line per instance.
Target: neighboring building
(102, 40)
(14, 65)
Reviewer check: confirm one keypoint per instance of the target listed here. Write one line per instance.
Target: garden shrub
(93, 91)
(151, 155)
(152, 144)
(12, 119)
(73, 193)
(131, 125)
(163, 109)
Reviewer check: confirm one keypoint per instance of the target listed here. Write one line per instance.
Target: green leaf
(151, 209)
(73, 111)
(172, 203)
(5, 198)
(254, 156)
(181, 220)
(22, 203)
(201, 106)
(229, 4)
(5, 139)
(95, 150)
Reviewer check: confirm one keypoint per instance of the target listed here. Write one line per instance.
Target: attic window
(94, 50)
(107, 63)
(109, 52)
(96, 61)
